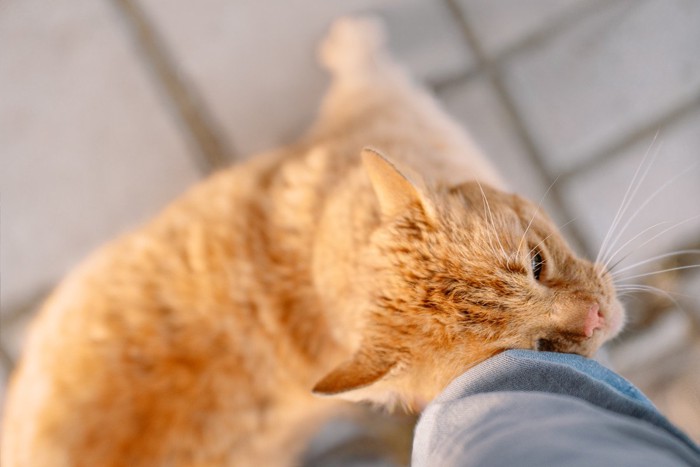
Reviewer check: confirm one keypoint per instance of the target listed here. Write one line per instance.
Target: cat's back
(170, 320)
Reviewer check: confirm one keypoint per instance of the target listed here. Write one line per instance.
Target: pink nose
(594, 320)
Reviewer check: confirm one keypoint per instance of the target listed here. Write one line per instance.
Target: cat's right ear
(395, 192)
(362, 370)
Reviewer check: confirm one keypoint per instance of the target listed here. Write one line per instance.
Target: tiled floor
(110, 108)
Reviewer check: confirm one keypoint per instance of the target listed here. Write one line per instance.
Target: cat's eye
(536, 263)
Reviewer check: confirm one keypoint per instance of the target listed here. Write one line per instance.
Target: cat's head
(460, 274)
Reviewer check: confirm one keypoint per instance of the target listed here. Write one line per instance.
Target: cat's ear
(394, 190)
(362, 370)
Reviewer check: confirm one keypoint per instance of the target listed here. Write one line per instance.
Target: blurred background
(111, 108)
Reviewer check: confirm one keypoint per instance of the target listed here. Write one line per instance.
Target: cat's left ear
(395, 192)
(362, 370)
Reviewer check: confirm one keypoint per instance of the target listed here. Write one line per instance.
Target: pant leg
(536, 408)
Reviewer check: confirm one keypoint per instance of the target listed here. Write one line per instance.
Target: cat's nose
(594, 320)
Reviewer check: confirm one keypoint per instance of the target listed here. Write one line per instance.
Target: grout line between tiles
(533, 40)
(212, 150)
(645, 131)
(493, 72)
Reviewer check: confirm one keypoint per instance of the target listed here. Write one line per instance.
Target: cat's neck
(320, 212)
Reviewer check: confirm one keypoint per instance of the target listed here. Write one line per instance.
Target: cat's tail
(354, 45)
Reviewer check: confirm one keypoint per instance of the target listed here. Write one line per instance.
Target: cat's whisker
(627, 293)
(488, 231)
(529, 224)
(489, 235)
(632, 190)
(666, 293)
(629, 287)
(641, 287)
(677, 224)
(493, 224)
(625, 202)
(645, 203)
(545, 238)
(634, 295)
(657, 291)
(617, 252)
(653, 273)
(616, 231)
(655, 258)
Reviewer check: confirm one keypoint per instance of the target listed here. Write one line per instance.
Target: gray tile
(13, 333)
(476, 106)
(689, 288)
(607, 75)
(426, 39)
(87, 147)
(501, 23)
(665, 338)
(597, 194)
(254, 62)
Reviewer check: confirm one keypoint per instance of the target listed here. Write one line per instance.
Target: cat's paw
(352, 44)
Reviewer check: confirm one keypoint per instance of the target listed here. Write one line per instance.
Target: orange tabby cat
(198, 339)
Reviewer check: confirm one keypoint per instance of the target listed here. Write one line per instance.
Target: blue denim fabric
(589, 367)
(520, 399)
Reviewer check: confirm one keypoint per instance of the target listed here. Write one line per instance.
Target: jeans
(526, 408)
